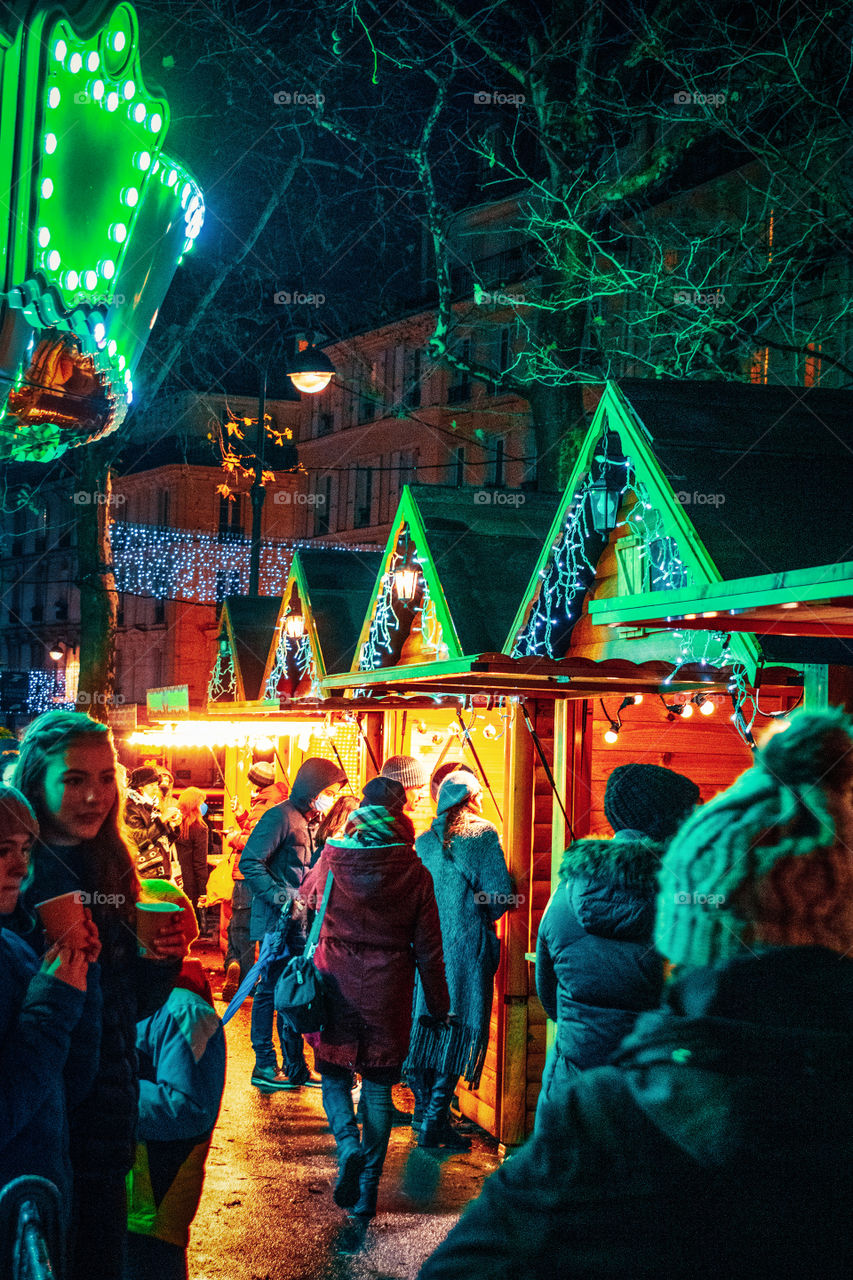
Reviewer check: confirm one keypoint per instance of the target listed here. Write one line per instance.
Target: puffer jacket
(381, 924)
(718, 1144)
(280, 851)
(103, 1125)
(596, 966)
(275, 793)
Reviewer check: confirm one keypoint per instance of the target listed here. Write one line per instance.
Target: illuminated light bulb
(638, 698)
(687, 710)
(310, 382)
(93, 61)
(54, 97)
(107, 268)
(155, 124)
(611, 735)
(59, 50)
(130, 196)
(70, 280)
(112, 101)
(142, 160)
(186, 192)
(121, 362)
(118, 232)
(75, 63)
(90, 280)
(112, 348)
(127, 374)
(118, 41)
(128, 90)
(47, 189)
(139, 112)
(54, 260)
(97, 89)
(130, 395)
(50, 143)
(172, 178)
(43, 237)
(707, 708)
(99, 332)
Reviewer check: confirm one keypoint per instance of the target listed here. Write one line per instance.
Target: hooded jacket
(719, 1144)
(275, 793)
(280, 850)
(381, 924)
(596, 966)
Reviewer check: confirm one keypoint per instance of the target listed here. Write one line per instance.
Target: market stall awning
(245, 631)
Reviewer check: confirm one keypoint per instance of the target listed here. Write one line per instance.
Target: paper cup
(63, 917)
(150, 918)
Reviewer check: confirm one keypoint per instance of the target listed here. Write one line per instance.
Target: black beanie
(387, 792)
(143, 775)
(648, 798)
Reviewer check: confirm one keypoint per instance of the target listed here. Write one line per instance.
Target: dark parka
(280, 850)
(381, 924)
(103, 1125)
(719, 1144)
(596, 966)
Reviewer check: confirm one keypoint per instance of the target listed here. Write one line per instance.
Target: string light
(209, 733)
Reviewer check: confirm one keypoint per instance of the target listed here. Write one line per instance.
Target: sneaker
(271, 1079)
(232, 982)
(346, 1191)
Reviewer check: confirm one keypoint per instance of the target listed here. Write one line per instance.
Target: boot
(436, 1129)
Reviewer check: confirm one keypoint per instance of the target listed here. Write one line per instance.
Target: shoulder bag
(301, 993)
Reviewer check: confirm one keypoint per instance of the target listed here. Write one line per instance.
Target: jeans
(377, 1112)
(240, 946)
(263, 1008)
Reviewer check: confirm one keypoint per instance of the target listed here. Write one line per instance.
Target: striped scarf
(372, 826)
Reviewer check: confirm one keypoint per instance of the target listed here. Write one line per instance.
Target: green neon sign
(97, 221)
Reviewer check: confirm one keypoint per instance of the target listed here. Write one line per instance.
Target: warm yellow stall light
(230, 733)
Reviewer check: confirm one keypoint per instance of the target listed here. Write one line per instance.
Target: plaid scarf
(371, 826)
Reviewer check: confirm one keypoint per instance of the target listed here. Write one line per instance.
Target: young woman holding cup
(67, 771)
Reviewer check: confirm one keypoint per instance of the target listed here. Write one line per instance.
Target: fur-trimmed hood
(611, 884)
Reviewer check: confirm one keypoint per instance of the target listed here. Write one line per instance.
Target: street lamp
(310, 371)
(57, 654)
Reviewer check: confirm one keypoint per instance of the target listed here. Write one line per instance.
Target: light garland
(222, 686)
(230, 733)
(379, 638)
(181, 564)
(302, 659)
(46, 692)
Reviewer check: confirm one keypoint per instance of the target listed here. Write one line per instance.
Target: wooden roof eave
(761, 605)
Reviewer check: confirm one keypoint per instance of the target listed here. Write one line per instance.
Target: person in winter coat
(240, 949)
(463, 854)
(275, 861)
(67, 771)
(596, 966)
(150, 831)
(380, 926)
(720, 1141)
(182, 1075)
(191, 844)
(50, 1025)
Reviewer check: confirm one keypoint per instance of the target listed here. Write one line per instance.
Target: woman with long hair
(380, 927)
(67, 771)
(463, 854)
(191, 844)
(335, 820)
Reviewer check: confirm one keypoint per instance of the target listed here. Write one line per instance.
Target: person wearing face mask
(191, 845)
(278, 855)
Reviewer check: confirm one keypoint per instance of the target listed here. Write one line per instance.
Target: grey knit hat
(262, 774)
(406, 770)
(764, 863)
(457, 787)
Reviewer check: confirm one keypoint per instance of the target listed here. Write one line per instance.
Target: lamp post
(310, 371)
(56, 653)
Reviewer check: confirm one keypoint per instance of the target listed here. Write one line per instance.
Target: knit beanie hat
(762, 864)
(142, 776)
(261, 774)
(387, 792)
(443, 770)
(406, 770)
(456, 787)
(648, 798)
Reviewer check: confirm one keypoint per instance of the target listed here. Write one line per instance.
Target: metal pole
(258, 492)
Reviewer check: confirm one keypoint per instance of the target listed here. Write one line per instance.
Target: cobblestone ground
(267, 1211)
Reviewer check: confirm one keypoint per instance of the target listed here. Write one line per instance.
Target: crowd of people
(695, 1109)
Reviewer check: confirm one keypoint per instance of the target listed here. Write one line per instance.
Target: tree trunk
(98, 596)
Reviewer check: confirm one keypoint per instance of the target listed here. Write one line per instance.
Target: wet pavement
(267, 1211)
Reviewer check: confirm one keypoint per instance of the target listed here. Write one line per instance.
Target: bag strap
(314, 935)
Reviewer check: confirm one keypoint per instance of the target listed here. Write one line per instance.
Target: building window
(412, 379)
(457, 467)
(164, 498)
(459, 388)
(230, 515)
(325, 424)
(323, 509)
(812, 371)
(759, 365)
(497, 473)
(363, 497)
(159, 611)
